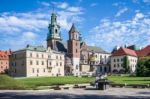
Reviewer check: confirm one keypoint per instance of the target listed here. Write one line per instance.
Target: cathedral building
(57, 59)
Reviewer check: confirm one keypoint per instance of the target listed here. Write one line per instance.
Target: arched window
(56, 31)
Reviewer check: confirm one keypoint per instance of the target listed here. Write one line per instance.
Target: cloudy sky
(102, 23)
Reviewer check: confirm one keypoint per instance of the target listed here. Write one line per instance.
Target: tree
(126, 64)
(143, 67)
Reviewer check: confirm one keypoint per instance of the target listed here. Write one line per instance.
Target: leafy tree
(143, 67)
(126, 64)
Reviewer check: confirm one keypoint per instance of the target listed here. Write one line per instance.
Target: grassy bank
(130, 80)
(47, 81)
(7, 82)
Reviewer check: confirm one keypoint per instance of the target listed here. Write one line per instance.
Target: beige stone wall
(117, 63)
(85, 68)
(37, 63)
(18, 64)
(102, 57)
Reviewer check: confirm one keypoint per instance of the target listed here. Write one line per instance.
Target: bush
(143, 67)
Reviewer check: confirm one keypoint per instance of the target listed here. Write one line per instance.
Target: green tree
(126, 64)
(143, 67)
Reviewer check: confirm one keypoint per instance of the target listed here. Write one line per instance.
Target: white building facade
(36, 61)
(117, 60)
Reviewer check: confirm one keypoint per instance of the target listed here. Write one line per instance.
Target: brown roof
(124, 51)
(144, 52)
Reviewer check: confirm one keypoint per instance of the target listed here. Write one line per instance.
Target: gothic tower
(54, 34)
(74, 49)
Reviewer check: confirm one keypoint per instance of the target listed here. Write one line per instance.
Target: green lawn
(47, 81)
(129, 80)
(7, 82)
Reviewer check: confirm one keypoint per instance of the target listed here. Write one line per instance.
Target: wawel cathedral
(59, 59)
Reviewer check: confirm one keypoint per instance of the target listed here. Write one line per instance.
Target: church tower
(74, 49)
(54, 34)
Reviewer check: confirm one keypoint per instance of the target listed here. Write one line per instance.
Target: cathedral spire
(54, 28)
(73, 29)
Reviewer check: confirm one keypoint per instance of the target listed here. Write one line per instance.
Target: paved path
(112, 93)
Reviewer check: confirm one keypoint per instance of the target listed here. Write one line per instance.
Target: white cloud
(18, 23)
(121, 11)
(74, 9)
(29, 35)
(146, 1)
(138, 16)
(118, 4)
(110, 33)
(63, 5)
(25, 28)
(93, 4)
(45, 4)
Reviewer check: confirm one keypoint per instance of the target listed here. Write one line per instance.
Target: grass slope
(129, 80)
(47, 81)
(7, 82)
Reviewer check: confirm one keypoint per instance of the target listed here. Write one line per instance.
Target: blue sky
(102, 23)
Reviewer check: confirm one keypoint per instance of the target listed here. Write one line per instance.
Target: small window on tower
(56, 31)
(76, 50)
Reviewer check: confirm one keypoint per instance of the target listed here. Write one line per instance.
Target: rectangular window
(37, 62)
(114, 60)
(49, 56)
(42, 62)
(30, 62)
(76, 51)
(37, 70)
(117, 60)
(76, 44)
(30, 54)
(37, 55)
(114, 65)
(32, 70)
(44, 70)
(118, 65)
(76, 66)
(15, 71)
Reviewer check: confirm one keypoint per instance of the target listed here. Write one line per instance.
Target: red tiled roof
(144, 52)
(124, 51)
(4, 54)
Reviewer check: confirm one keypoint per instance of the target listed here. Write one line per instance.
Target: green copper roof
(35, 48)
